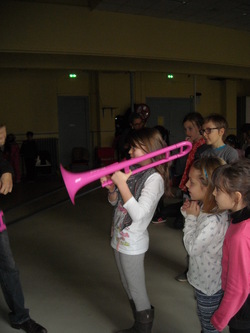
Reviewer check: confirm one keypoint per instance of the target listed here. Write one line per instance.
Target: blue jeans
(9, 279)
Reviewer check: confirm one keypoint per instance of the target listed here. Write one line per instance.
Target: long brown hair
(206, 167)
(149, 140)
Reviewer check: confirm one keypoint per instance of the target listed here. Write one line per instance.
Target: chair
(80, 159)
(43, 163)
(105, 156)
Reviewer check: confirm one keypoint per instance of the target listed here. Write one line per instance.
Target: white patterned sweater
(134, 239)
(203, 240)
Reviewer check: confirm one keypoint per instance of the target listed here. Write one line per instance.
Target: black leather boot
(143, 322)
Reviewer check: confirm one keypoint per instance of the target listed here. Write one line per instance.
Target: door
(169, 112)
(73, 123)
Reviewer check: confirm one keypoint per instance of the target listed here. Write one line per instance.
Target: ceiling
(233, 14)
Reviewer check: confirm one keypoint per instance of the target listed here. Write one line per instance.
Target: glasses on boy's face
(208, 130)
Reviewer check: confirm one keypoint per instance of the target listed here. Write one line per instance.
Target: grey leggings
(131, 269)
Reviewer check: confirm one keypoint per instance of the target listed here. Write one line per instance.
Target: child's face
(138, 152)
(196, 189)
(137, 124)
(192, 131)
(213, 135)
(224, 200)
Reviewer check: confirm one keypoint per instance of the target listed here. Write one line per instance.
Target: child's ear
(222, 131)
(238, 197)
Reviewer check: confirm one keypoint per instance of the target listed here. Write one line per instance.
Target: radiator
(49, 146)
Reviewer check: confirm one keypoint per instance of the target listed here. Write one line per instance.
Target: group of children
(216, 230)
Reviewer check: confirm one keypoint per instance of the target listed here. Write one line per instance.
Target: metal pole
(132, 91)
(194, 93)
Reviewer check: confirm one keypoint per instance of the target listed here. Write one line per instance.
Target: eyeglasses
(208, 130)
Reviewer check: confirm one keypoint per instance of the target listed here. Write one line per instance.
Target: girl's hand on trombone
(112, 193)
(111, 187)
(120, 177)
(120, 180)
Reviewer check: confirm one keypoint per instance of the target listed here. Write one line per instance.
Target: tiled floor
(67, 268)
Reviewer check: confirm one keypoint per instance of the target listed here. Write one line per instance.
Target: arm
(120, 180)
(232, 155)
(6, 183)
(200, 232)
(144, 208)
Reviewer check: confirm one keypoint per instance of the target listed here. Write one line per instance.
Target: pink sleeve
(236, 286)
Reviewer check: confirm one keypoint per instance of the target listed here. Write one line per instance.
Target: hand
(188, 139)
(6, 183)
(120, 177)
(186, 205)
(194, 208)
(110, 187)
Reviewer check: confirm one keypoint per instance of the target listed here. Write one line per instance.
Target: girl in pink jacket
(232, 192)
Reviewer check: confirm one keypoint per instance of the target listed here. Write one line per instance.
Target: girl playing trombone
(135, 198)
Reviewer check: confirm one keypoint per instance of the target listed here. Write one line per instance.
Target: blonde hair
(206, 167)
(150, 140)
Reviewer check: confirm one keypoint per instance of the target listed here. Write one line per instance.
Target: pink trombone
(75, 181)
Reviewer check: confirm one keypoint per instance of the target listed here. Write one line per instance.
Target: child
(233, 141)
(9, 273)
(12, 154)
(204, 232)
(192, 123)
(232, 192)
(214, 130)
(135, 198)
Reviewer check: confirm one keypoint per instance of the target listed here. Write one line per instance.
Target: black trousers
(236, 330)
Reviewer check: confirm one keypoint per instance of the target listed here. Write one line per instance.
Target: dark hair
(206, 167)
(234, 177)
(29, 133)
(218, 120)
(133, 116)
(10, 138)
(149, 140)
(194, 117)
(233, 141)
